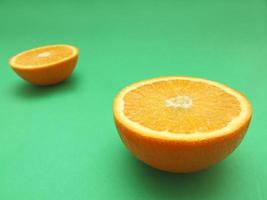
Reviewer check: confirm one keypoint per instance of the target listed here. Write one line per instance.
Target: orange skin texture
(180, 156)
(48, 75)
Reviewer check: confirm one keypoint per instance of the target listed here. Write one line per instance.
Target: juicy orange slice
(181, 124)
(45, 65)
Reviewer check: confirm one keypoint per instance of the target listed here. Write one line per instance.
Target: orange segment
(45, 65)
(181, 124)
(180, 106)
(44, 56)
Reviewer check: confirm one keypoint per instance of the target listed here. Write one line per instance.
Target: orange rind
(45, 65)
(181, 124)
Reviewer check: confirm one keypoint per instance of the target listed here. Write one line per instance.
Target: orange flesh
(181, 106)
(43, 56)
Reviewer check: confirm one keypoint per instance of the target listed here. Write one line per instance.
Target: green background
(60, 142)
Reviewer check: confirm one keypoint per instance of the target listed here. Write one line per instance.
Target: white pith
(179, 102)
(45, 54)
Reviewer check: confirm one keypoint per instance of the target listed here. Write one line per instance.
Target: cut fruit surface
(43, 56)
(171, 106)
(45, 65)
(179, 109)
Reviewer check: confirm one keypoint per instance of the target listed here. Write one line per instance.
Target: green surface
(60, 143)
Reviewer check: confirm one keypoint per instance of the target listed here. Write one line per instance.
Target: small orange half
(45, 65)
(181, 124)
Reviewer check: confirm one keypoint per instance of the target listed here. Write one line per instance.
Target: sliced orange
(181, 124)
(45, 65)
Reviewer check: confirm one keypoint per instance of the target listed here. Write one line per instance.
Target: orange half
(45, 65)
(181, 124)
